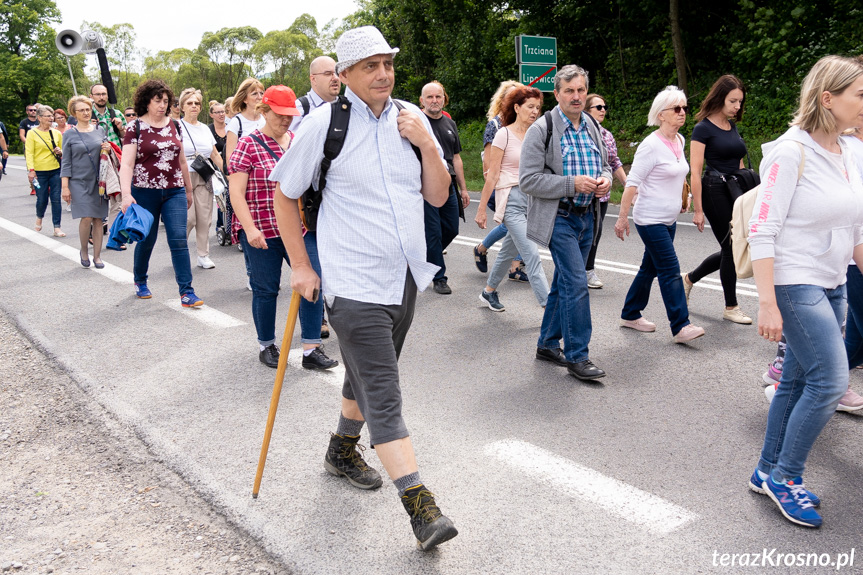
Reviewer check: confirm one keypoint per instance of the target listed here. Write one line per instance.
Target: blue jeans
(49, 187)
(267, 275)
(854, 319)
(516, 242)
(567, 312)
(814, 376)
(441, 230)
(495, 235)
(659, 261)
(170, 206)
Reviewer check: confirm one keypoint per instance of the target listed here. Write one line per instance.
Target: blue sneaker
(793, 501)
(191, 300)
(142, 291)
(755, 484)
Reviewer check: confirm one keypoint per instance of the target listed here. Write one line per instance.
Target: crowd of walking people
(363, 216)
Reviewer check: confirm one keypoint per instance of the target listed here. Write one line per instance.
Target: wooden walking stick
(293, 312)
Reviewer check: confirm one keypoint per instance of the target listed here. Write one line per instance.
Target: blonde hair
(75, 100)
(212, 104)
(188, 93)
(497, 98)
(238, 104)
(262, 108)
(829, 74)
(670, 96)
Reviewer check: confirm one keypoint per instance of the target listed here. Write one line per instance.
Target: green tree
(31, 66)
(231, 51)
(123, 56)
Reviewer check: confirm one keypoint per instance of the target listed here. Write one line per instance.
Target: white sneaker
(688, 333)
(593, 282)
(687, 287)
(736, 315)
(205, 262)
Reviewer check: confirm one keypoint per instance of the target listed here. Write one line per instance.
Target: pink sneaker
(772, 375)
(639, 324)
(850, 402)
(688, 333)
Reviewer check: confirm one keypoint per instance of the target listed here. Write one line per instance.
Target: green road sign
(532, 74)
(535, 50)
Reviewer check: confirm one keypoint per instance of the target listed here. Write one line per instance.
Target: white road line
(621, 268)
(646, 510)
(206, 314)
(334, 376)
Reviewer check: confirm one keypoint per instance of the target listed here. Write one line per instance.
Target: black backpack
(310, 201)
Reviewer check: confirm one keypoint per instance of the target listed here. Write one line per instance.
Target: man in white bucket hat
(371, 243)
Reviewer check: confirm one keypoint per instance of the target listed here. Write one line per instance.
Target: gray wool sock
(350, 427)
(407, 481)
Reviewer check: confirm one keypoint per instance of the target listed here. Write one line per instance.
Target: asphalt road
(541, 473)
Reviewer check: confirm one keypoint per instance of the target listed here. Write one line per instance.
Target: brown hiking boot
(344, 460)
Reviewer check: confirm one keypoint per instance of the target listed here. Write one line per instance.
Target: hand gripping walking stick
(293, 312)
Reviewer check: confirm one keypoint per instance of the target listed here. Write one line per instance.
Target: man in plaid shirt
(112, 122)
(565, 174)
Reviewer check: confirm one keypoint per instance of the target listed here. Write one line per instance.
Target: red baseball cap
(281, 100)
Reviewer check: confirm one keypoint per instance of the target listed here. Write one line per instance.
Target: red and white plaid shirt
(250, 158)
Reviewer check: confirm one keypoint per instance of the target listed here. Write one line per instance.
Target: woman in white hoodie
(802, 233)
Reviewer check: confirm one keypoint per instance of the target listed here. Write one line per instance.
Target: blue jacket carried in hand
(131, 227)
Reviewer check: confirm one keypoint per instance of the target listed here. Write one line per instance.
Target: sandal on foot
(58, 233)
(38, 226)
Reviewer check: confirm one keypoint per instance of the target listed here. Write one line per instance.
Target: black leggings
(597, 232)
(717, 208)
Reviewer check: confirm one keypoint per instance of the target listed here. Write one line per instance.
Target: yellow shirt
(38, 150)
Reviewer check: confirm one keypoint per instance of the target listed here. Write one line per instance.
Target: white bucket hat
(360, 43)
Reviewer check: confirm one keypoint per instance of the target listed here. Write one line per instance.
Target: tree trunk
(677, 42)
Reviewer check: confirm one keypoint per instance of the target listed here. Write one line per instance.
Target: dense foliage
(632, 49)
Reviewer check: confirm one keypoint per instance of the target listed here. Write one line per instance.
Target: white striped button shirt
(371, 226)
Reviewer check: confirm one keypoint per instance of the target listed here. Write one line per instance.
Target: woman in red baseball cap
(254, 224)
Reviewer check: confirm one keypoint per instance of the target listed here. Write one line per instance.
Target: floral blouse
(157, 164)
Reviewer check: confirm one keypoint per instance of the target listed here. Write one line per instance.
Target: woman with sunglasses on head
(199, 141)
(42, 152)
(718, 148)
(657, 175)
(82, 149)
(520, 108)
(805, 228)
(595, 105)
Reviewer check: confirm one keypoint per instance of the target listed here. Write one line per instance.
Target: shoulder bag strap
(87, 150)
(266, 147)
(113, 125)
(50, 148)
(191, 139)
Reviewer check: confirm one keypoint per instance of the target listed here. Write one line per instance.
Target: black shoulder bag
(203, 166)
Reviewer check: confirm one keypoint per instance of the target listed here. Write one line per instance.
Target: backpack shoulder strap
(802, 161)
(400, 106)
(549, 129)
(304, 101)
(336, 132)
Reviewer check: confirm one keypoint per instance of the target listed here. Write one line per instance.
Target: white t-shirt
(249, 126)
(659, 175)
(201, 136)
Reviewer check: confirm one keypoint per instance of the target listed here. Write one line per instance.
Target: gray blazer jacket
(544, 188)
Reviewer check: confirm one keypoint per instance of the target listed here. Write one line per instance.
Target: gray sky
(160, 25)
